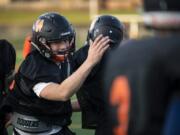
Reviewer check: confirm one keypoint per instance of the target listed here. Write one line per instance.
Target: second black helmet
(107, 25)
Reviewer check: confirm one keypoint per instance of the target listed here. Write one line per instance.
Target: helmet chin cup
(59, 58)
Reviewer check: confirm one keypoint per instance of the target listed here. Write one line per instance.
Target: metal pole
(93, 8)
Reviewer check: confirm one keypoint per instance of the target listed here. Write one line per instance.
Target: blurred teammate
(144, 75)
(7, 66)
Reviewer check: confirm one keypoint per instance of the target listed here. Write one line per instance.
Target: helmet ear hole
(42, 40)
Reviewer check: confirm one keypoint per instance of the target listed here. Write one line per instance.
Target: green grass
(19, 57)
(76, 125)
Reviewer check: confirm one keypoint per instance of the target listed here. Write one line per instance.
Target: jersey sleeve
(38, 88)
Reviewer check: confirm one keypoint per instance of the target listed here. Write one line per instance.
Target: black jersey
(141, 78)
(7, 63)
(35, 69)
(90, 95)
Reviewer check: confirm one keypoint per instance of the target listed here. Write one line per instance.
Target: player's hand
(97, 49)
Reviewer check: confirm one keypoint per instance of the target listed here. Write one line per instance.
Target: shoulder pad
(31, 65)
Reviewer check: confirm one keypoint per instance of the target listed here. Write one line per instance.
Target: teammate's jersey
(141, 78)
(90, 95)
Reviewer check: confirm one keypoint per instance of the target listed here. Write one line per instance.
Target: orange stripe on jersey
(120, 96)
(27, 46)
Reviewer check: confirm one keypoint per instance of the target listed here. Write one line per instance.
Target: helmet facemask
(62, 54)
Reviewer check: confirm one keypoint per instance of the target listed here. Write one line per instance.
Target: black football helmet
(162, 14)
(51, 28)
(106, 25)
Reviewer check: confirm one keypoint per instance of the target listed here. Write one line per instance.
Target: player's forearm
(63, 91)
(74, 82)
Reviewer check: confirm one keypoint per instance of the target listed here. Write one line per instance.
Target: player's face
(59, 46)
